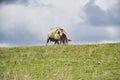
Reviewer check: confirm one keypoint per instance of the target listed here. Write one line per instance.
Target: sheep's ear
(63, 31)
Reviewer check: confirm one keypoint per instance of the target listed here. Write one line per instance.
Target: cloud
(95, 15)
(87, 33)
(12, 1)
(27, 3)
(18, 26)
(104, 5)
(26, 22)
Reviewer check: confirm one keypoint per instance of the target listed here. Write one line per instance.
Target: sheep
(63, 40)
(57, 34)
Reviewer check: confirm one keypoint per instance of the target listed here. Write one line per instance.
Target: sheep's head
(61, 31)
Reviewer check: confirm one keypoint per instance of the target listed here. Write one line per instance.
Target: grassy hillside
(60, 62)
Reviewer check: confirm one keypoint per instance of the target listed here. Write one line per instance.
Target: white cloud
(37, 18)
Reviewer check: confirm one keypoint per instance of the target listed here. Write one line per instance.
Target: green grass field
(61, 62)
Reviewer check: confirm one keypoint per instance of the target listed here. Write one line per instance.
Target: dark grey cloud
(12, 1)
(27, 3)
(18, 36)
(96, 16)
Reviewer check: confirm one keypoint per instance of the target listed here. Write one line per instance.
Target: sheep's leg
(47, 41)
(56, 42)
(63, 41)
(60, 41)
(66, 41)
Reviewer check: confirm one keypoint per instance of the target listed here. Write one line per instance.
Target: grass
(60, 62)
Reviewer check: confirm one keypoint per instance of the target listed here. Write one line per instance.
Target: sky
(27, 22)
